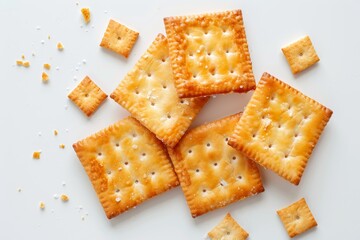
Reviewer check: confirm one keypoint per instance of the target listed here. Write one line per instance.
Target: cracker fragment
(45, 77)
(228, 229)
(19, 63)
(41, 205)
(47, 66)
(149, 94)
(119, 38)
(60, 46)
(209, 54)
(297, 218)
(62, 146)
(26, 64)
(87, 96)
(56, 132)
(86, 14)
(126, 164)
(36, 155)
(300, 54)
(280, 128)
(64, 197)
(211, 173)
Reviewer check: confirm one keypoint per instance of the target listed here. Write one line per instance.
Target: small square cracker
(126, 164)
(149, 94)
(211, 173)
(87, 96)
(228, 229)
(280, 128)
(297, 218)
(300, 54)
(209, 54)
(119, 38)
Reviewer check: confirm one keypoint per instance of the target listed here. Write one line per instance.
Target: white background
(329, 184)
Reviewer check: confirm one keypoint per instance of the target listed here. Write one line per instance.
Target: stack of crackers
(217, 163)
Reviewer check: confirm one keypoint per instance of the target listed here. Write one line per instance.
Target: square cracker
(228, 229)
(297, 218)
(126, 164)
(211, 173)
(119, 38)
(148, 93)
(209, 54)
(87, 96)
(300, 54)
(280, 128)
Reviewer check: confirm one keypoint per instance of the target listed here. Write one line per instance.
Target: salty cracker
(148, 93)
(228, 229)
(297, 218)
(87, 96)
(126, 164)
(209, 54)
(280, 128)
(211, 173)
(119, 38)
(300, 54)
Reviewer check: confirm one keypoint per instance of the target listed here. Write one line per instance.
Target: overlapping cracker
(211, 173)
(126, 164)
(87, 96)
(300, 54)
(297, 218)
(280, 128)
(148, 93)
(228, 229)
(209, 54)
(119, 38)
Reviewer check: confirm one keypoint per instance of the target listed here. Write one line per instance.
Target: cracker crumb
(62, 146)
(56, 132)
(19, 190)
(19, 63)
(64, 197)
(45, 77)
(23, 57)
(36, 155)
(86, 14)
(60, 46)
(47, 66)
(42, 205)
(26, 64)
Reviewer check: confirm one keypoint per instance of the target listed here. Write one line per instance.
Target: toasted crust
(209, 54)
(212, 174)
(126, 164)
(148, 93)
(300, 54)
(280, 128)
(297, 218)
(228, 229)
(119, 38)
(87, 96)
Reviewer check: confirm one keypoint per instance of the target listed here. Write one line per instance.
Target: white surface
(28, 107)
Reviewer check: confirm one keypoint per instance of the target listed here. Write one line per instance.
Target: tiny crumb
(56, 132)
(64, 197)
(42, 205)
(45, 77)
(60, 46)
(23, 57)
(36, 155)
(47, 66)
(62, 146)
(19, 190)
(19, 63)
(26, 64)
(86, 14)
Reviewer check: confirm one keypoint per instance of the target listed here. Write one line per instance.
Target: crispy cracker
(228, 229)
(87, 96)
(149, 94)
(297, 218)
(119, 38)
(280, 128)
(86, 14)
(300, 54)
(126, 164)
(211, 173)
(209, 54)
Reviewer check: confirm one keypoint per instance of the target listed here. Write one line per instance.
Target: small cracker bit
(56, 132)
(36, 155)
(62, 146)
(19, 63)
(47, 66)
(26, 64)
(42, 205)
(23, 57)
(86, 14)
(64, 197)
(45, 77)
(60, 46)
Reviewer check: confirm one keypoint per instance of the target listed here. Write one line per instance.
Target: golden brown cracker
(228, 229)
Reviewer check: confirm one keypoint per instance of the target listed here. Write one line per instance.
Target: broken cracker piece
(47, 66)
(36, 155)
(41, 205)
(62, 146)
(56, 132)
(86, 14)
(19, 63)
(228, 229)
(26, 64)
(45, 77)
(60, 46)
(64, 197)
